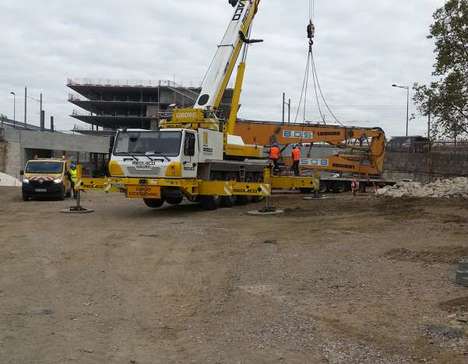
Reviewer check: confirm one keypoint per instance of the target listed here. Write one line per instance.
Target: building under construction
(114, 104)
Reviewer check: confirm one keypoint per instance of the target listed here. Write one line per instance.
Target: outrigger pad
(77, 210)
(268, 211)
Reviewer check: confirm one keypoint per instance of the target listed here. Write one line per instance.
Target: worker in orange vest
(296, 157)
(275, 155)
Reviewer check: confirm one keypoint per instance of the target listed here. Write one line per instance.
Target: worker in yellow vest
(72, 173)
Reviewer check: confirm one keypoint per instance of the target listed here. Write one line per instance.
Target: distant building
(112, 105)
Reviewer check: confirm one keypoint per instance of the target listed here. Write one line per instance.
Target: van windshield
(44, 167)
(166, 143)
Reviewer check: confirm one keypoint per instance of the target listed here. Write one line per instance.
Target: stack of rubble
(447, 188)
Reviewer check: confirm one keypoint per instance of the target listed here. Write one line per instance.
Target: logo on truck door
(206, 148)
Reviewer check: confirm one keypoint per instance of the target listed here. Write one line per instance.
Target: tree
(446, 99)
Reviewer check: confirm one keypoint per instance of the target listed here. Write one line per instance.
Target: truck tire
(306, 190)
(209, 203)
(323, 187)
(174, 200)
(242, 200)
(153, 203)
(226, 201)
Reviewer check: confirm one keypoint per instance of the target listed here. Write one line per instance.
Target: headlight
(57, 180)
(25, 180)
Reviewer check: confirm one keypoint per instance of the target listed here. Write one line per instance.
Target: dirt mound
(456, 305)
(447, 255)
(448, 188)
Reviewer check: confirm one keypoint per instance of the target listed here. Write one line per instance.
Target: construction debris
(447, 188)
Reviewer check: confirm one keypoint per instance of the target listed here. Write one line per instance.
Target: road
(341, 280)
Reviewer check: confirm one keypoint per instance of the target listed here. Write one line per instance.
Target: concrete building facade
(113, 104)
(17, 146)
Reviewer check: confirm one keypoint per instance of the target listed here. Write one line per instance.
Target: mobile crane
(194, 154)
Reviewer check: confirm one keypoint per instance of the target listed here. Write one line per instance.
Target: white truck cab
(165, 153)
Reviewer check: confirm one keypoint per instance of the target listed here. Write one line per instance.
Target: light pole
(14, 108)
(407, 104)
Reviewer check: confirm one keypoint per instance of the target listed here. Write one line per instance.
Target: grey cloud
(362, 47)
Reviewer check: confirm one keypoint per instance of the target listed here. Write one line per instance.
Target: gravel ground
(340, 280)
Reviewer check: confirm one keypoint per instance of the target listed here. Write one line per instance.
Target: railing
(122, 83)
(443, 145)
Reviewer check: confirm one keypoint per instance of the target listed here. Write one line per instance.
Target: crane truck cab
(46, 178)
(167, 164)
(166, 153)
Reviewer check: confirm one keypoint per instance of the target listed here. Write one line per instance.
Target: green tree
(446, 99)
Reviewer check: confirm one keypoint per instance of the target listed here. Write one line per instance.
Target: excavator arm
(360, 150)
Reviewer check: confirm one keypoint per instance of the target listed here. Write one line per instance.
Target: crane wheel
(174, 200)
(209, 203)
(153, 203)
(242, 200)
(226, 201)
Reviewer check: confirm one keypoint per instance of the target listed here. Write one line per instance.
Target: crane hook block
(247, 40)
(311, 31)
(233, 3)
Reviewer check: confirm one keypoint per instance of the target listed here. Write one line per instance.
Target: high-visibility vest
(73, 173)
(275, 153)
(296, 154)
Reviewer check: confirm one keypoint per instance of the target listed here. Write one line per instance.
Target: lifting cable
(311, 68)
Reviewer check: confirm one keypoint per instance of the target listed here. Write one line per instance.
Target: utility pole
(429, 106)
(14, 108)
(25, 106)
(41, 113)
(407, 88)
(407, 110)
(284, 103)
(51, 123)
(289, 111)
(42, 123)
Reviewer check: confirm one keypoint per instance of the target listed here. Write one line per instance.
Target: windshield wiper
(129, 154)
(161, 154)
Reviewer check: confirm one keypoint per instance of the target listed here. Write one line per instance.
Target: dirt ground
(340, 280)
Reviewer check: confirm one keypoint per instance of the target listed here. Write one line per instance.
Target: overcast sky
(361, 48)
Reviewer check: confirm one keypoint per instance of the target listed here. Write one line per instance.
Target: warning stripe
(43, 178)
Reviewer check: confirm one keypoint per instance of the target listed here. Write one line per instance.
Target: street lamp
(407, 103)
(14, 108)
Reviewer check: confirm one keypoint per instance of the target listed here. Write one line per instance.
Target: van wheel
(63, 194)
(25, 197)
(153, 203)
(209, 203)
